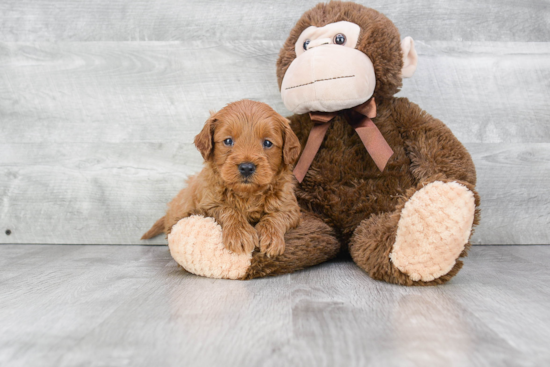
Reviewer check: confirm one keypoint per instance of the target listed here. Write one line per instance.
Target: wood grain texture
(485, 92)
(132, 305)
(168, 20)
(162, 92)
(89, 193)
(515, 195)
(126, 92)
(112, 193)
(96, 137)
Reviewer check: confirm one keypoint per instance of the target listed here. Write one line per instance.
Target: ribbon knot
(360, 120)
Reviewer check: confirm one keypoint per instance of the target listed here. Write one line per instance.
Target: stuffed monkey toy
(378, 176)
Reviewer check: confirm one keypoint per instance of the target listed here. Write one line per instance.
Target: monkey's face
(329, 73)
(338, 55)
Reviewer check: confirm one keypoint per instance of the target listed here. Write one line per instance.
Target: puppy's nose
(247, 168)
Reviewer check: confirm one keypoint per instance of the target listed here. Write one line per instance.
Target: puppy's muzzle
(247, 169)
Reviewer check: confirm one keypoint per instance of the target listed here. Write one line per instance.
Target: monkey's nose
(247, 168)
(318, 42)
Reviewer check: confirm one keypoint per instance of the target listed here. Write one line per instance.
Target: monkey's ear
(291, 147)
(410, 57)
(204, 141)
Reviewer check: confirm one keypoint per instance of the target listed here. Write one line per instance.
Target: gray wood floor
(131, 305)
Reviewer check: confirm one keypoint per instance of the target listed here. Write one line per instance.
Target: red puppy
(247, 183)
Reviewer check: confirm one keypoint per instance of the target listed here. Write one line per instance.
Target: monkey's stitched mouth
(320, 80)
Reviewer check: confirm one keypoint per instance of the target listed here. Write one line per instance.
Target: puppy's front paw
(241, 239)
(272, 239)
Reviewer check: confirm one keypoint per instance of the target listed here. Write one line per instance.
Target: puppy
(247, 183)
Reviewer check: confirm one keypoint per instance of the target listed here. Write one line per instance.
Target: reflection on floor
(131, 305)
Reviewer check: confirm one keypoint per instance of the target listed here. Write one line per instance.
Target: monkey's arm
(301, 125)
(434, 151)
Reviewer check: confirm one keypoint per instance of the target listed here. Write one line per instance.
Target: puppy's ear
(291, 147)
(204, 141)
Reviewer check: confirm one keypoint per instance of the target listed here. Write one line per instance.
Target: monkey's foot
(196, 244)
(434, 227)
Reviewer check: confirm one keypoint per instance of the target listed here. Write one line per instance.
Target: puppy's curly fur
(253, 210)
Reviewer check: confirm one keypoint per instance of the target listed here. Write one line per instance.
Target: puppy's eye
(305, 44)
(339, 39)
(228, 142)
(267, 144)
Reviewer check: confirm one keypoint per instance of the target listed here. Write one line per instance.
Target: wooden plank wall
(100, 101)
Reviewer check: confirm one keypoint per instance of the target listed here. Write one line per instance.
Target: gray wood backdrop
(100, 101)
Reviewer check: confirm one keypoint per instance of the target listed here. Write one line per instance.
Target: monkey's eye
(228, 142)
(305, 44)
(267, 144)
(339, 39)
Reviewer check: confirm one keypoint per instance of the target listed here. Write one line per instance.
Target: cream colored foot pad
(435, 225)
(196, 244)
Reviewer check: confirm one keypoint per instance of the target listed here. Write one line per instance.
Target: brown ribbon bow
(372, 138)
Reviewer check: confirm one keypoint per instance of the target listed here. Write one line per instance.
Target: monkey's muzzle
(328, 78)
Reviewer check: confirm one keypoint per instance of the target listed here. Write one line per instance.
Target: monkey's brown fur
(343, 186)
(253, 211)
